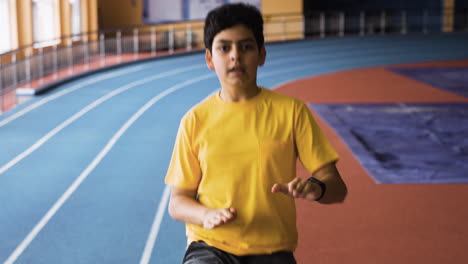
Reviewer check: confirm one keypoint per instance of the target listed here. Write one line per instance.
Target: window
(75, 8)
(5, 40)
(44, 23)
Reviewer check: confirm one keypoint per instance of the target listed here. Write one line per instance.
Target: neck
(238, 94)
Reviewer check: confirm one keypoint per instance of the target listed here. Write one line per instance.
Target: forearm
(336, 192)
(187, 209)
(336, 189)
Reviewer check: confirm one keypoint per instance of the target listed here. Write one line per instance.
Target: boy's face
(235, 57)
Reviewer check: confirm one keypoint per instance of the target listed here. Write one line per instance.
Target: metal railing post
(28, 67)
(382, 22)
(171, 39)
(362, 23)
(55, 62)
(119, 45)
(41, 65)
(189, 37)
(153, 41)
(86, 51)
(70, 56)
(102, 49)
(135, 43)
(342, 24)
(404, 30)
(15, 70)
(322, 25)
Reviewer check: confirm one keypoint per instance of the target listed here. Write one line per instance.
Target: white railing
(30, 67)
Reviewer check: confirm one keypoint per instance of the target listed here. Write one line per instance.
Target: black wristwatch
(322, 185)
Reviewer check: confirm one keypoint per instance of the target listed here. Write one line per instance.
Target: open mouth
(237, 70)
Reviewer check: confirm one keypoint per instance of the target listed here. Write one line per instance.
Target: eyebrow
(224, 41)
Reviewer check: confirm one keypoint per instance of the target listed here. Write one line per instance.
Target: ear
(209, 59)
(262, 56)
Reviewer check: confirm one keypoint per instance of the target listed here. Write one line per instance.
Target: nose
(235, 53)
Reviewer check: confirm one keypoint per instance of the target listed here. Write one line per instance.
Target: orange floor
(380, 223)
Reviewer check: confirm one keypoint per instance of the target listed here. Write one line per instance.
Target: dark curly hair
(229, 15)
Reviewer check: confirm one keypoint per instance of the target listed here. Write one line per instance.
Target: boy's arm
(336, 189)
(183, 206)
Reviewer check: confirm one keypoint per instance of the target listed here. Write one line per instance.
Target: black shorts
(201, 253)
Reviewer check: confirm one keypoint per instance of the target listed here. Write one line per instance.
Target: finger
(292, 185)
(217, 221)
(227, 212)
(306, 190)
(295, 191)
(301, 185)
(309, 188)
(222, 216)
(208, 224)
(314, 193)
(233, 211)
(226, 215)
(280, 188)
(216, 218)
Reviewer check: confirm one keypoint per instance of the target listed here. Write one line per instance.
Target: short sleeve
(312, 146)
(184, 169)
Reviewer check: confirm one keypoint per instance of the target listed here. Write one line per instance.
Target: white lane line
(88, 108)
(145, 258)
(53, 210)
(91, 81)
(67, 91)
(78, 86)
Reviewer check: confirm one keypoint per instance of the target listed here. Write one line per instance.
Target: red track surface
(380, 223)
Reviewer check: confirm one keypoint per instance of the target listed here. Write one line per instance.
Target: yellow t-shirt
(233, 153)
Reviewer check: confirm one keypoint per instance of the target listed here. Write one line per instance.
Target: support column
(92, 18)
(13, 24)
(448, 15)
(57, 19)
(24, 22)
(65, 18)
(84, 16)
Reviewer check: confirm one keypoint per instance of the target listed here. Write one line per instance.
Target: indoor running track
(82, 167)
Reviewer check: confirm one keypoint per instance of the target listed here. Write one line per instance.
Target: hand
(299, 188)
(217, 217)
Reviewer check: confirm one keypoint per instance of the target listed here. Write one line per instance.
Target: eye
(224, 48)
(247, 47)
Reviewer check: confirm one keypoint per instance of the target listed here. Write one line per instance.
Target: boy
(232, 171)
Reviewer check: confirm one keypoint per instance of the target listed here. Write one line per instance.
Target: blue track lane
(108, 218)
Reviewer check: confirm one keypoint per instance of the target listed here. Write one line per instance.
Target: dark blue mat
(454, 79)
(404, 143)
